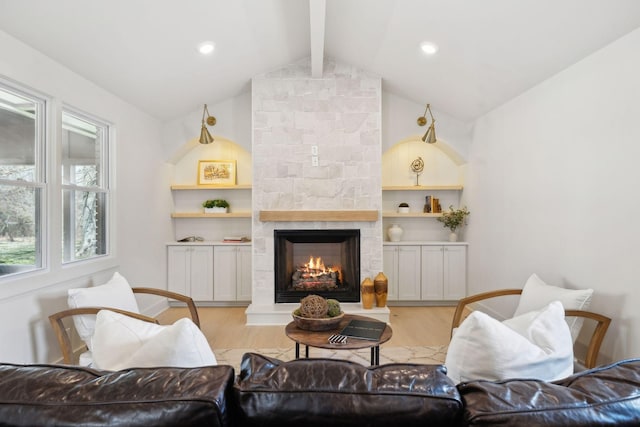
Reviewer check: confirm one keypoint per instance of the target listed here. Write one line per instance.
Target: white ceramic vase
(395, 233)
(453, 236)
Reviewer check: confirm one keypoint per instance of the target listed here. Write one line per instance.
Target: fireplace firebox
(320, 262)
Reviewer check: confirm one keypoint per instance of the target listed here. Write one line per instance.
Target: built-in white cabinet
(402, 268)
(210, 273)
(232, 273)
(425, 272)
(444, 272)
(190, 271)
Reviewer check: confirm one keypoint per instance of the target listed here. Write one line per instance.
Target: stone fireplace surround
(340, 114)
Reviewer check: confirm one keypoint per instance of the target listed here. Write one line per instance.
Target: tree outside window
(84, 186)
(22, 182)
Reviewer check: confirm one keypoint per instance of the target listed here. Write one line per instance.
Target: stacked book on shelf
(432, 205)
(234, 239)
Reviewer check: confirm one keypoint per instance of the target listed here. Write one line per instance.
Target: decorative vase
(368, 292)
(381, 286)
(395, 233)
(453, 236)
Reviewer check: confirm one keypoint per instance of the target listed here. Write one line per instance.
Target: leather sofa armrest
(607, 395)
(68, 395)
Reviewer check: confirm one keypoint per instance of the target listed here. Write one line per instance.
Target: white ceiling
(144, 51)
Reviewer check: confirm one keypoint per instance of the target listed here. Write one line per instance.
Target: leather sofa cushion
(607, 395)
(328, 392)
(65, 395)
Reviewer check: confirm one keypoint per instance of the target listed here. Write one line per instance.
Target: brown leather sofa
(56, 395)
(312, 392)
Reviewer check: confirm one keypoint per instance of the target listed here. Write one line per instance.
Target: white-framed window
(23, 185)
(85, 186)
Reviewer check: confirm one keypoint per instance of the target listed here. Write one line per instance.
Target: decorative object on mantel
(430, 136)
(381, 287)
(216, 172)
(403, 208)
(317, 313)
(454, 219)
(417, 166)
(215, 206)
(395, 233)
(205, 136)
(368, 293)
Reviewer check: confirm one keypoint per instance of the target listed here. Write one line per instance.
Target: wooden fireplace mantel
(320, 215)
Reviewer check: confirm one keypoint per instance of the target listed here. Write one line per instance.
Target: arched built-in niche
(187, 196)
(442, 164)
(442, 178)
(187, 157)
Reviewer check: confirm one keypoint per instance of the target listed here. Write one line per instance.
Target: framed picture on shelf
(216, 172)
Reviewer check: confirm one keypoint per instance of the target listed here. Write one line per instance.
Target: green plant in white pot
(215, 206)
(453, 219)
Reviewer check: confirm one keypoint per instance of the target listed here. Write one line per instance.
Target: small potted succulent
(454, 219)
(215, 206)
(403, 207)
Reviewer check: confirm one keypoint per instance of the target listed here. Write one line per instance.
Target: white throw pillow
(116, 293)
(121, 342)
(537, 294)
(536, 345)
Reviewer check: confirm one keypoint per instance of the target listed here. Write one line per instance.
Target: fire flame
(316, 267)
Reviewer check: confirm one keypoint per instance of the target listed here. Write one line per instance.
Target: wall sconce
(205, 136)
(430, 135)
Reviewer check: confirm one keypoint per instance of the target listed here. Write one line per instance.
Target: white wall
(141, 207)
(552, 184)
(399, 122)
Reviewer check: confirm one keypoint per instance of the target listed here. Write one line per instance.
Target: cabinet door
(455, 272)
(201, 264)
(243, 273)
(432, 273)
(179, 269)
(390, 266)
(224, 273)
(409, 273)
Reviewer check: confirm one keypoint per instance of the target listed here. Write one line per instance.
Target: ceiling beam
(317, 13)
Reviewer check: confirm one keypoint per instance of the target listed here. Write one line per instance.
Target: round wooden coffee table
(320, 339)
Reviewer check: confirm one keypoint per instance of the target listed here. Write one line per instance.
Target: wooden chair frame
(193, 311)
(602, 322)
(64, 340)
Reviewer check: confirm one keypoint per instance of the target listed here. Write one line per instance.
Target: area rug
(417, 354)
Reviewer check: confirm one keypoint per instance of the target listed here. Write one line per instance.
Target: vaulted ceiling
(490, 51)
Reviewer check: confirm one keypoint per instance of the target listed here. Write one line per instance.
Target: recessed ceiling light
(429, 48)
(206, 48)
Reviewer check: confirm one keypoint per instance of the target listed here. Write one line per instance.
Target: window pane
(17, 136)
(81, 151)
(19, 231)
(83, 224)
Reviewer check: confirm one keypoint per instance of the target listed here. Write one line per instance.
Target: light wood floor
(225, 327)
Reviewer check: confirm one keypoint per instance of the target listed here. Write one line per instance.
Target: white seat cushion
(535, 345)
(537, 294)
(121, 342)
(116, 293)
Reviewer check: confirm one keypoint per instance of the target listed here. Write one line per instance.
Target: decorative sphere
(417, 165)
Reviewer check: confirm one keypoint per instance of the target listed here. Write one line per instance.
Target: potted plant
(454, 219)
(215, 206)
